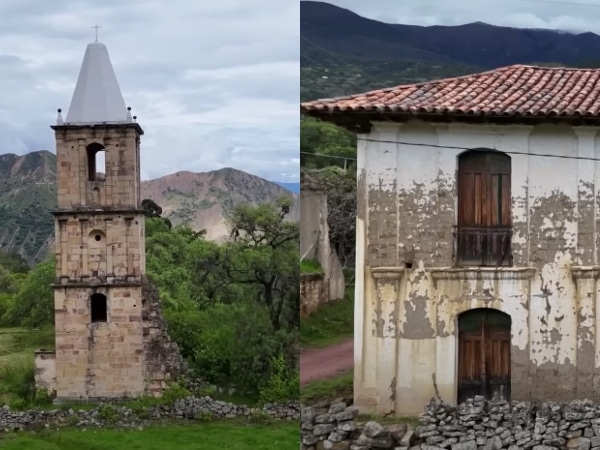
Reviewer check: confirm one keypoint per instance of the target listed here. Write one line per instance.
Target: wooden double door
(484, 354)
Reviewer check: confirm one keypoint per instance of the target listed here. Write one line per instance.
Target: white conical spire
(97, 97)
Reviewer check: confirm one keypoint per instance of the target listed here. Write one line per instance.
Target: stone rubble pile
(476, 424)
(336, 428)
(194, 408)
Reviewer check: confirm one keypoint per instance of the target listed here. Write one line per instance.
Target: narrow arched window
(99, 308)
(483, 232)
(96, 158)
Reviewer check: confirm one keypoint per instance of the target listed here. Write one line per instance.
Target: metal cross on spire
(96, 27)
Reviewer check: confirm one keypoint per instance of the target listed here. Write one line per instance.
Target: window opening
(99, 308)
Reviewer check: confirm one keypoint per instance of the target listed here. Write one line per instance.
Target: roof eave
(356, 118)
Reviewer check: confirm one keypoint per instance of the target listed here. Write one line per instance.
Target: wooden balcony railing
(483, 246)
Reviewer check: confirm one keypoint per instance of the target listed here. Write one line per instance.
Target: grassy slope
(330, 324)
(202, 436)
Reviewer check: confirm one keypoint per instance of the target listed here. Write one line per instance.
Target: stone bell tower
(99, 231)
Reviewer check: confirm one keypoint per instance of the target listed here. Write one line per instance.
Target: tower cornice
(104, 125)
(96, 211)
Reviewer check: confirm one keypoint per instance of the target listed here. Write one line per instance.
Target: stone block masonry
(476, 424)
(131, 358)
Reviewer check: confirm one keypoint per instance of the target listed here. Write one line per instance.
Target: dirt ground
(327, 362)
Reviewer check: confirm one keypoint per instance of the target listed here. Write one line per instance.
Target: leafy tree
(14, 263)
(151, 208)
(264, 252)
(33, 305)
(322, 138)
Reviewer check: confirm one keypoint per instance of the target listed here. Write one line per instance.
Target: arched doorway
(484, 354)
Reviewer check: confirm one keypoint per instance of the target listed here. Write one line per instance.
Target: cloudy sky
(576, 15)
(214, 84)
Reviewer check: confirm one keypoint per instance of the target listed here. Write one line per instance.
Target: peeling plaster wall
(408, 294)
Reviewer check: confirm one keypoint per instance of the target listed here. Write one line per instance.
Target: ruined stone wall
(313, 293)
(314, 234)
(411, 295)
(162, 360)
(45, 370)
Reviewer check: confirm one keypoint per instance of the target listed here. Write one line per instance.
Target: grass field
(205, 436)
(330, 324)
(17, 348)
(328, 389)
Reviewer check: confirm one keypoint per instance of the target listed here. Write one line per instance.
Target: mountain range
(201, 200)
(344, 53)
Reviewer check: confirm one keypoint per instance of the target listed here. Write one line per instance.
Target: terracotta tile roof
(517, 91)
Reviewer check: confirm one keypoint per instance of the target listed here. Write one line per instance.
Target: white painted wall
(398, 373)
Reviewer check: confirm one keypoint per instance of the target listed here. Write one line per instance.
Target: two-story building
(478, 237)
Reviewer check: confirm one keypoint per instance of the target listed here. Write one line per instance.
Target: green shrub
(174, 392)
(108, 413)
(236, 343)
(17, 378)
(42, 397)
(283, 384)
(18, 404)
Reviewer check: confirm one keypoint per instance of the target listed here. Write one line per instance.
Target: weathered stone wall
(102, 245)
(109, 415)
(410, 295)
(313, 293)
(121, 186)
(129, 355)
(98, 359)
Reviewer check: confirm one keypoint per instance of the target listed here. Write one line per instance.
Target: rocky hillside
(28, 195)
(344, 53)
(203, 199)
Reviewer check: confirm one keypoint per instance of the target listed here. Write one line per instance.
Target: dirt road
(320, 363)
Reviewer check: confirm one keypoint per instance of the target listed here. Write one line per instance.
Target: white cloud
(213, 83)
